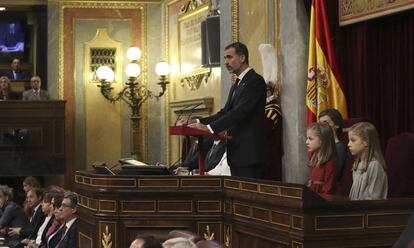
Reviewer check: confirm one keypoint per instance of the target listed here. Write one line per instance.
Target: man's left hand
(14, 231)
(199, 126)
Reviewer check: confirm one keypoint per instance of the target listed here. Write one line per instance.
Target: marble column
(294, 35)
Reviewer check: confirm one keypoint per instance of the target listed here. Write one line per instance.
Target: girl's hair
(327, 151)
(335, 116)
(368, 132)
(32, 182)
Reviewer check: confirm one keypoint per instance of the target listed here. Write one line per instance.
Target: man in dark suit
(15, 73)
(34, 198)
(36, 93)
(66, 236)
(242, 116)
(214, 155)
(13, 215)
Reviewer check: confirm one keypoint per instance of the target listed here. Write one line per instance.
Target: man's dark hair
(149, 241)
(73, 198)
(240, 49)
(38, 192)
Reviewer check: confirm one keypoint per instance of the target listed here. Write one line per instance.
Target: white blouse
(222, 168)
(371, 184)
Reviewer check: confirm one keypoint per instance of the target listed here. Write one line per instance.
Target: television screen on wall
(12, 40)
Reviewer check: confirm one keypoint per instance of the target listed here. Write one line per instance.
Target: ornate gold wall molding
(235, 33)
(194, 79)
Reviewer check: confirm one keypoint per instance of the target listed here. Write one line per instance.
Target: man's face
(4, 85)
(32, 199)
(66, 210)
(233, 61)
(3, 199)
(35, 82)
(15, 65)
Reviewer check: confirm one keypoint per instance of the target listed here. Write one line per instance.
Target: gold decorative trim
(270, 186)
(108, 211)
(343, 228)
(289, 196)
(235, 20)
(109, 179)
(88, 202)
(158, 186)
(208, 234)
(269, 214)
(106, 239)
(297, 244)
(219, 210)
(175, 211)
(194, 79)
(227, 236)
(278, 223)
(86, 237)
(193, 7)
(143, 35)
(139, 211)
(292, 222)
(388, 214)
(183, 180)
(226, 181)
(101, 232)
(241, 215)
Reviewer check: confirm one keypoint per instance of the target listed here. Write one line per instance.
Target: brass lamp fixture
(133, 93)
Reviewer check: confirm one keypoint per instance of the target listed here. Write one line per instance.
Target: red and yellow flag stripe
(324, 85)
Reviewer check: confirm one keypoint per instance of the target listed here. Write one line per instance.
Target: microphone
(182, 111)
(192, 111)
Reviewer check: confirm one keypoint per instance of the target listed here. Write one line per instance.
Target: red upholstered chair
(185, 234)
(399, 157)
(346, 180)
(209, 244)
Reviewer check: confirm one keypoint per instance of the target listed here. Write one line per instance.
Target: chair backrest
(346, 180)
(399, 156)
(185, 234)
(209, 244)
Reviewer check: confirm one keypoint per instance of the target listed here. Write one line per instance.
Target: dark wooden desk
(32, 138)
(243, 213)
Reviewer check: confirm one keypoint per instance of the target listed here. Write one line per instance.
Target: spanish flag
(325, 88)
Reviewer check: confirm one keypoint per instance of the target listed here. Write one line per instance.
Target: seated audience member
(145, 241)
(36, 93)
(13, 215)
(178, 243)
(34, 199)
(333, 118)
(57, 221)
(222, 168)
(15, 72)
(322, 164)
(5, 90)
(28, 184)
(368, 171)
(66, 235)
(191, 160)
(214, 155)
(47, 209)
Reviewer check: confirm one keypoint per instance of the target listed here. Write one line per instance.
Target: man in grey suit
(36, 93)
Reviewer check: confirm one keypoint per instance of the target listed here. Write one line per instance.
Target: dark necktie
(62, 235)
(234, 89)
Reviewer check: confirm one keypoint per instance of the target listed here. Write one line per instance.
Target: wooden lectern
(188, 131)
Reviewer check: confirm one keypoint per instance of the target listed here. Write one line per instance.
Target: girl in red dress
(322, 164)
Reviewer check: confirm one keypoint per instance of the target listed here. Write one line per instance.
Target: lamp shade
(133, 70)
(105, 73)
(134, 53)
(162, 68)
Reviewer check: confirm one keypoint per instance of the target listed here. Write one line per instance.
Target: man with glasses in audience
(66, 235)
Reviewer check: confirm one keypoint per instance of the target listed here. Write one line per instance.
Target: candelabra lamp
(134, 94)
